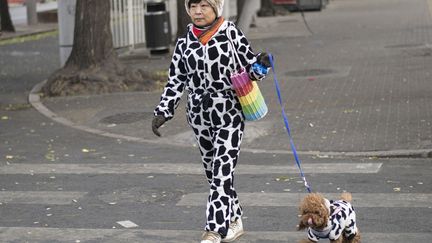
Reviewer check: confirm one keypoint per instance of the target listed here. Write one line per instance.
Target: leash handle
(285, 118)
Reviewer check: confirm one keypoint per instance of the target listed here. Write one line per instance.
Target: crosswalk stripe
(366, 200)
(33, 234)
(183, 168)
(40, 197)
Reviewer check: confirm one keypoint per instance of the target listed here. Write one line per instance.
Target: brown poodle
(324, 219)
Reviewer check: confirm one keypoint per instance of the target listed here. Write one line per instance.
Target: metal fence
(127, 22)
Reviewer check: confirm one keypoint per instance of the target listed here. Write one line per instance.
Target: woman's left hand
(156, 123)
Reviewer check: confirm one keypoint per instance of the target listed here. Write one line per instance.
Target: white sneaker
(211, 237)
(235, 230)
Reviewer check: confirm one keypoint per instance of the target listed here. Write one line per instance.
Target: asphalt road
(59, 184)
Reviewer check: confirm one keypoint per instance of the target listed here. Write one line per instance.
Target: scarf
(204, 35)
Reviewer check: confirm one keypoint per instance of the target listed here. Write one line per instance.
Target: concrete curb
(24, 33)
(34, 99)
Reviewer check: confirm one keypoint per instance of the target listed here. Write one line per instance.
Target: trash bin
(297, 5)
(157, 27)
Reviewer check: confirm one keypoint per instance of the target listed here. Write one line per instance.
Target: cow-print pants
(218, 124)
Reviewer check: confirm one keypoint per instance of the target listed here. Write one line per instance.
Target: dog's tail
(346, 196)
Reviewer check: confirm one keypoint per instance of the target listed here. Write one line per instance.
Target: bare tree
(5, 18)
(240, 5)
(93, 65)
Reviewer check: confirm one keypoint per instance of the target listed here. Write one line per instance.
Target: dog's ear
(301, 226)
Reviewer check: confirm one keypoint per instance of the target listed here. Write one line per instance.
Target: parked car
(306, 5)
(21, 2)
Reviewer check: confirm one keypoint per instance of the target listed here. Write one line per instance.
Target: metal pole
(66, 17)
(130, 18)
(31, 12)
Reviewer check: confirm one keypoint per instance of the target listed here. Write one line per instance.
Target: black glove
(264, 59)
(156, 123)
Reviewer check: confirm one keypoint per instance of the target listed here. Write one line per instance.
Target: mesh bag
(251, 99)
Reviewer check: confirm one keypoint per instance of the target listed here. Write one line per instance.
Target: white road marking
(366, 200)
(184, 168)
(40, 197)
(35, 235)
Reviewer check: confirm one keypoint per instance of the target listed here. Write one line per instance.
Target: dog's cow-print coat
(213, 111)
(342, 220)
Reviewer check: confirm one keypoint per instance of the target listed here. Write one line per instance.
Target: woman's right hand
(156, 123)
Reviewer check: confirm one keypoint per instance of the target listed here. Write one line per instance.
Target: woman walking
(202, 63)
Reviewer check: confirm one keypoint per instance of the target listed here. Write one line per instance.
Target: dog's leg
(339, 240)
(352, 239)
(356, 238)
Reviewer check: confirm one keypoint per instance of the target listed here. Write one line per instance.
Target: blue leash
(297, 159)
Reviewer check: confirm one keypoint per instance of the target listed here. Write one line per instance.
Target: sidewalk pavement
(358, 86)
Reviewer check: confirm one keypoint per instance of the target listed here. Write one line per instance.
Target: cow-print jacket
(202, 69)
(342, 220)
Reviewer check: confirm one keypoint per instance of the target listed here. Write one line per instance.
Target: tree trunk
(183, 18)
(248, 14)
(93, 66)
(240, 4)
(92, 34)
(5, 18)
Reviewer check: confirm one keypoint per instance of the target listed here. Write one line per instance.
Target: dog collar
(324, 233)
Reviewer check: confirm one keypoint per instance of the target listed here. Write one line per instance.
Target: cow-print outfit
(213, 111)
(342, 220)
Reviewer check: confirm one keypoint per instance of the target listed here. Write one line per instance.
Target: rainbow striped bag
(248, 92)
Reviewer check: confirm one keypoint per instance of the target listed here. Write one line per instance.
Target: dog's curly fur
(313, 209)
